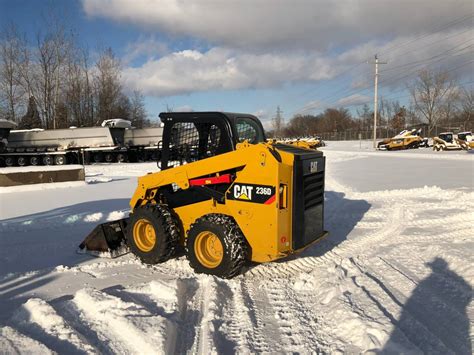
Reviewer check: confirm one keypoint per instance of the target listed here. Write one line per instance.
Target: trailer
(115, 141)
(143, 144)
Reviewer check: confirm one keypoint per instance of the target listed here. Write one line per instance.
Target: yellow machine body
(404, 140)
(224, 194)
(267, 227)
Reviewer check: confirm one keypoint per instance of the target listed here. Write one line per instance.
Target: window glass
(247, 129)
(191, 142)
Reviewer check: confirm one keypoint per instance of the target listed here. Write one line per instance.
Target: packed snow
(395, 274)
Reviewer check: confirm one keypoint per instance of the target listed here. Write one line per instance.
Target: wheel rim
(21, 161)
(208, 249)
(144, 235)
(9, 161)
(34, 161)
(47, 160)
(60, 160)
(109, 158)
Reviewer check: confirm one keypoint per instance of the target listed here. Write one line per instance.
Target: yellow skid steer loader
(224, 194)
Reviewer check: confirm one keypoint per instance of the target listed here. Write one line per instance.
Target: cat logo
(264, 194)
(243, 192)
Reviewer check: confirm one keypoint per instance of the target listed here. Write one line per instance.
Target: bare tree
(138, 114)
(466, 98)
(11, 92)
(107, 85)
(53, 51)
(430, 91)
(79, 92)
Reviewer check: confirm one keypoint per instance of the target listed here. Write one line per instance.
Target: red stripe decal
(270, 200)
(223, 179)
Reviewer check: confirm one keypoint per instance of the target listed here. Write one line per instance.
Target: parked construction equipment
(305, 142)
(223, 194)
(449, 141)
(407, 139)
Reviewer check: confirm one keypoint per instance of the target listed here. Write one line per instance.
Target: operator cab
(447, 137)
(193, 136)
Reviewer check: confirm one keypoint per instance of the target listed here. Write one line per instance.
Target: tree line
(52, 81)
(436, 99)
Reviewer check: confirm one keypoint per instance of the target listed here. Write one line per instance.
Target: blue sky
(252, 56)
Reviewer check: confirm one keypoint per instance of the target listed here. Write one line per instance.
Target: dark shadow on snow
(341, 215)
(434, 320)
(43, 243)
(49, 239)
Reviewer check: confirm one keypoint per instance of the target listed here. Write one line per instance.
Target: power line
(392, 80)
(435, 30)
(433, 57)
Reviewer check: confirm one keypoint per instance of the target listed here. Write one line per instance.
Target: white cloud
(223, 69)
(258, 44)
(148, 48)
(282, 23)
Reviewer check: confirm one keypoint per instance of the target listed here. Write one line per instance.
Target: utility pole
(375, 96)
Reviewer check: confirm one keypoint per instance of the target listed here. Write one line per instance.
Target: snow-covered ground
(395, 274)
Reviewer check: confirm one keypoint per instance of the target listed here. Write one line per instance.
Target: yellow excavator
(224, 195)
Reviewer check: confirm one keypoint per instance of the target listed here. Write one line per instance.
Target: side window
(248, 129)
(191, 142)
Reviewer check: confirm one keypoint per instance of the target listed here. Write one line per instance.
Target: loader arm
(148, 184)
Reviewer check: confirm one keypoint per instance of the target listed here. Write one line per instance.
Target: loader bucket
(106, 239)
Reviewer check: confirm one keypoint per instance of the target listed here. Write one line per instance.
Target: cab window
(248, 129)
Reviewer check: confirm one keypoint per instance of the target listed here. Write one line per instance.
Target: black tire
(166, 230)
(60, 160)
(109, 157)
(47, 160)
(234, 245)
(98, 157)
(21, 161)
(121, 158)
(34, 161)
(9, 161)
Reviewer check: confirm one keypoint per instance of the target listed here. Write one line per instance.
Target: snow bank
(24, 169)
(40, 187)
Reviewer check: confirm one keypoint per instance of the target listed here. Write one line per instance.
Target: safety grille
(313, 189)
(193, 141)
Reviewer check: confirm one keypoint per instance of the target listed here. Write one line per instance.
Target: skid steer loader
(407, 139)
(223, 194)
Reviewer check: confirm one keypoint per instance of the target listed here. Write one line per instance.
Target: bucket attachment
(106, 240)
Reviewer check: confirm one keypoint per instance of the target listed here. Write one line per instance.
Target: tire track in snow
(39, 319)
(14, 342)
(296, 323)
(123, 325)
(392, 227)
(246, 327)
(213, 295)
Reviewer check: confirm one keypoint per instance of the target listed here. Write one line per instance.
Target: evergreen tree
(32, 117)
